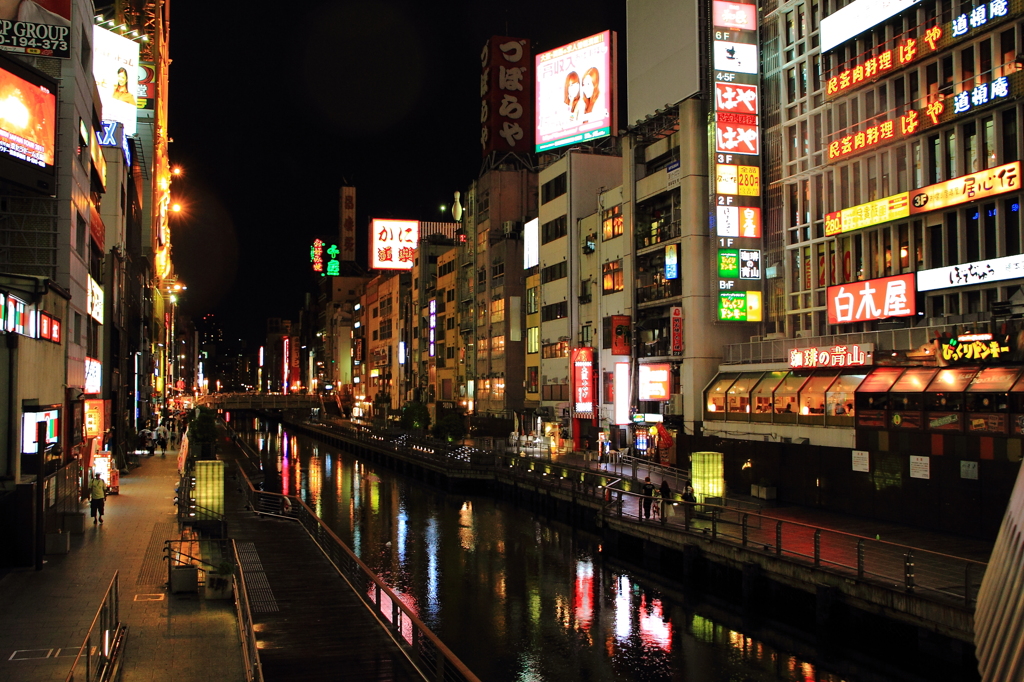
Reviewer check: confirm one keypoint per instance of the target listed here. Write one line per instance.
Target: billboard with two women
(576, 88)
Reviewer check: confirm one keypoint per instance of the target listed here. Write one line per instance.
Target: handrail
(423, 648)
(246, 631)
(114, 633)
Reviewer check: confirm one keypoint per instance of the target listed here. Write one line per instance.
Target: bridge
(260, 401)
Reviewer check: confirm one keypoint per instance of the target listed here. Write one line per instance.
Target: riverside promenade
(179, 637)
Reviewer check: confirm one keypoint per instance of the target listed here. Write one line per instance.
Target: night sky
(272, 111)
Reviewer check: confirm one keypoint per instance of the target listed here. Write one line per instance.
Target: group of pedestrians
(659, 503)
(166, 433)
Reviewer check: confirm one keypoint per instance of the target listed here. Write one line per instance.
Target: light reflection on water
(515, 596)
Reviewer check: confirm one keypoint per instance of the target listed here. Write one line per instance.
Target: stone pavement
(46, 614)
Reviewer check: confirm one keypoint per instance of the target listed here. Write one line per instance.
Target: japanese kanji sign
(583, 381)
(393, 244)
(506, 96)
(873, 299)
(844, 355)
(347, 226)
(973, 348)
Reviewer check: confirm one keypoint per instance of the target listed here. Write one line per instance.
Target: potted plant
(218, 581)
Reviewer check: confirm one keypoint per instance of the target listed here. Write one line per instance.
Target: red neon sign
(583, 380)
(873, 67)
(874, 299)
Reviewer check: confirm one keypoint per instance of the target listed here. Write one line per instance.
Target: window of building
(555, 350)
(611, 222)
(533, 300)
(481, 315)
(532, 379)
(498, 310)
(553, 188)
(498, 388)
(590, 244)
(554, 229)
(533, 340)
(613, 277)
(451, 323)
(586, 335)
(555, 311)
(481, 276)
(497, 346)
(554, 272)
(450, 352)
(483, 344)
(498, 270)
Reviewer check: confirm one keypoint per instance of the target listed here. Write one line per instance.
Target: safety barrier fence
(246, 631)
(99, 658)
(427, 653)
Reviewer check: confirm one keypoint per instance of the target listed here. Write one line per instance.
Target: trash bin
(58, 543)
(184, 579)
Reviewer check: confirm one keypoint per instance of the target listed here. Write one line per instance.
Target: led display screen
(575, 99)
(28, 126)
(115, 66)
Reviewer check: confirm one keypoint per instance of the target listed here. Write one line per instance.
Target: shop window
(989, 390)
(945, 392)
(738, 396)
(839, 401)
(716, 394)
(532, 379)
(786, 400)
(761, 395)
(812, 397)
(533, 300)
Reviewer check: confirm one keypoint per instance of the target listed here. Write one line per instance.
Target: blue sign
(113, 135)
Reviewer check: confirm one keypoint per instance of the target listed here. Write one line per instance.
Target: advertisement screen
(28, 126)
(40, 28)
(29, 423)
(393, 244)
(115, 66)
(576, 92)
(655, 382)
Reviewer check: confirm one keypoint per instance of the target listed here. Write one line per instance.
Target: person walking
(151, 444)
(97, 497)
(689, 498)
(648, 497)
(162, 434)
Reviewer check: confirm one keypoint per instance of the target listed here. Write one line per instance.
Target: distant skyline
(271, 115)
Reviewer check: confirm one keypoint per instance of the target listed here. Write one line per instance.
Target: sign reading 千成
(41, 28)
(583, 381)
(874, 299)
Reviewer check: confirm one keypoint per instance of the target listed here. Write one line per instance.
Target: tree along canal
(519, 597)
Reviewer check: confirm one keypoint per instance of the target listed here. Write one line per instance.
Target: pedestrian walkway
(179, 637)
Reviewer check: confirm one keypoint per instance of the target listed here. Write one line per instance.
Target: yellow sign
(749, 181)
(866, 215)
(728, 179)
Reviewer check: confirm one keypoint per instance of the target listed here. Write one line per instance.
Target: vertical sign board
(506, 96)
(347, 218)
(677, 330)
(622, 387)
(735, 140)
(583, 382)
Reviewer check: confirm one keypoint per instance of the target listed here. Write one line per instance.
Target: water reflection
(516, 596)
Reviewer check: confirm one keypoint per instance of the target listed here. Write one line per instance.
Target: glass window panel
(839, 397)
(761, 395)
(880, 380)
(914, 380)
(994, 380)
(954, 380)
(788, 391)
(812, 394)
(716, 392)
(739, 393)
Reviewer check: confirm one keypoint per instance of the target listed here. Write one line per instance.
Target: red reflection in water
(654, 627)
(583, 600)
(407, 600)
(286, 474)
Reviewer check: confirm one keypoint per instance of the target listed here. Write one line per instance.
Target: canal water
(515, 595)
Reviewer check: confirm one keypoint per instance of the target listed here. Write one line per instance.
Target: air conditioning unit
(511, 227)
(675, 405)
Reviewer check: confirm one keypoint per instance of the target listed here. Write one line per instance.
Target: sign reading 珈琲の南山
(735, 127)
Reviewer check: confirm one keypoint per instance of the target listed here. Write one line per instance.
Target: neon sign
(874, 299)
(850, 355)
(878, 65)
(972, 348)
(932, 114)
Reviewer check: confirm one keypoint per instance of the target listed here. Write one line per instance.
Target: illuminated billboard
(115, 66)
(576, 88)
(857, 17)
(655, 381)
(393, 244)
(874, 299)
(583, 381)
(621, 405)
(29, 426)
(966, 274)
(93, 376)
(94, 300)
(41, 28)
(506, 95)
(28, 126)
(531, 244)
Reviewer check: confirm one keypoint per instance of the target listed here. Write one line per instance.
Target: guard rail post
(860, 558)
(817, 547)
(778, 538)
(908, 570)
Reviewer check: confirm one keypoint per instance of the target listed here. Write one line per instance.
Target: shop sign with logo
(966, 274)
(677, 330)
(845, 355)
(973, 348)
(582, 380)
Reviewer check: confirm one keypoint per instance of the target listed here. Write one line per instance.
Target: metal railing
(246, 631)
(939, 576)
(777, 350)
(425, 651)
(99, 657)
